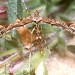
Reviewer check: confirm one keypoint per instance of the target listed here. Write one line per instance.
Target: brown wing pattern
(65, 25)
(37, 19)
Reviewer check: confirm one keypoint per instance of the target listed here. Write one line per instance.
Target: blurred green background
(59, 9)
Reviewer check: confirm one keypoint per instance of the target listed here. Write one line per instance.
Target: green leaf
(20, 9)
(8, 52)
(10, 44)
(36, 59)
(63, 17)
(14, 34)
(42, 1)
(50, 8)
(33, 4)
(24, 72)
(61, 46)
(71, 48)
(12, 10)
(41, 69)
(55, 1)
(15, 10)
(47, 28)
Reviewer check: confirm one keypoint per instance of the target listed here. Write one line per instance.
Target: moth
(37, 19)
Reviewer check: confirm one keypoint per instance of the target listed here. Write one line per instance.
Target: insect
(37, 19)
